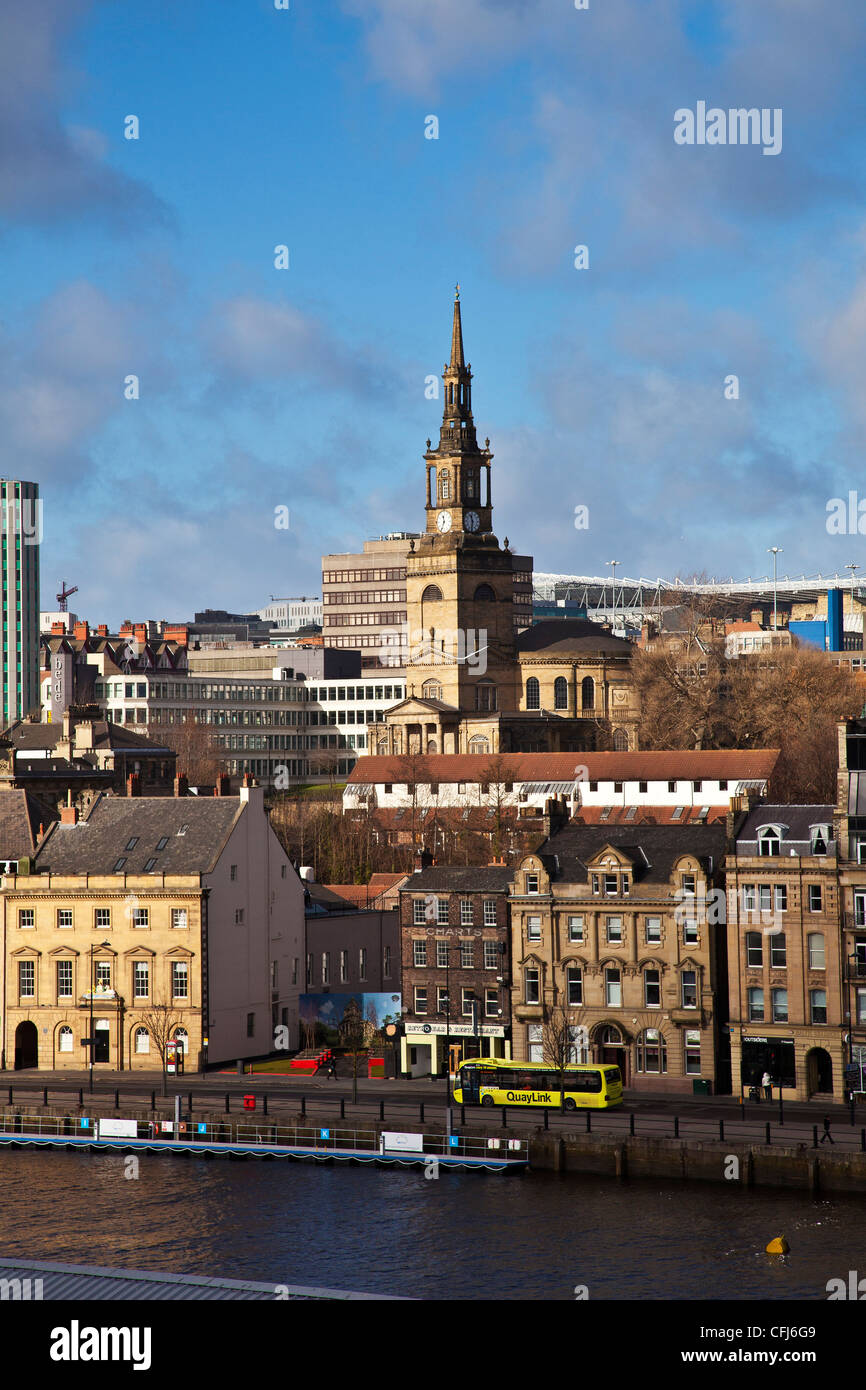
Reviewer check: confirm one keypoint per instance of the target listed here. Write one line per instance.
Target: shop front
(427, 1049)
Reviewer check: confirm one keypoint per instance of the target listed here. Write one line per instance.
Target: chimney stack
(224, 785)
(68, 815)
(81, 631)
(102, 630)
(133, 784)
(181, 785)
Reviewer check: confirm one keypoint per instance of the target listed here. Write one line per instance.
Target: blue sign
(453, 1141)
(201, 1129)
(324, 1134)
(85, 1124)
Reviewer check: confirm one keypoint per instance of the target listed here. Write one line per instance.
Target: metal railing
(312, 1138)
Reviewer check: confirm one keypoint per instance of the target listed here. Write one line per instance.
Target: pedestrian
(827, 1134)
(767, 1083)
(332, 1071)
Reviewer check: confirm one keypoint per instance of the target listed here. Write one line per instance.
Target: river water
(463, 1235)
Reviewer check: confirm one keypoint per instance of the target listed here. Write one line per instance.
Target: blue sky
(304, 387)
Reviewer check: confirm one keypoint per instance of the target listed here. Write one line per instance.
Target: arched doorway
(610, 1049)
(26, 1046)
(819, 1071)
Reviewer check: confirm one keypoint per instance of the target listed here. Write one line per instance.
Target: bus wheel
(487, 1100)
(570, 1103)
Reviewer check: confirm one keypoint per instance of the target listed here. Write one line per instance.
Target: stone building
(151, 912)
(785, 952)
(455, 977)
(477, 682)
(609, 937)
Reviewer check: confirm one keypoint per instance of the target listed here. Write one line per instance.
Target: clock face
(471, 521)
(443, 521)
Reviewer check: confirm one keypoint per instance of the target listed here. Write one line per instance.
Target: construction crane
(65, 594)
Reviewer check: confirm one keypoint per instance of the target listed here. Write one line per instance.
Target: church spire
(457, 359)
(457, 424)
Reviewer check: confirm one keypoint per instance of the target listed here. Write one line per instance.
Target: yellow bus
(492, 1081)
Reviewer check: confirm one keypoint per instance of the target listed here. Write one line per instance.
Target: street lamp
(448, 1038)
(852, 568)
(613, 564)
(774, 550)
(91, 1040)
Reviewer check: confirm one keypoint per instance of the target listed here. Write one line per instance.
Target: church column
(428, 486)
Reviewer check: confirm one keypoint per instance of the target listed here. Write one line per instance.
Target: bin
(701, 1087)
(249, 1102)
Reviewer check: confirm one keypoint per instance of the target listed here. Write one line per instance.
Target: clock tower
(460, 582)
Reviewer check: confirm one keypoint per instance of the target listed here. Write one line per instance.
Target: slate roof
(797, 837)
(96, 844)
(660, 845)
(572, 635)
(106, 734)
(21, 814)
(688, 765)
(492, 878)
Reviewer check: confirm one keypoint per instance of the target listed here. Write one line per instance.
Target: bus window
(612, 1075)
(584, 1081)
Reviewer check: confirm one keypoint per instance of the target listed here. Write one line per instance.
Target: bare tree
(496, 780)
(354, 1032)
(160, 1021)
(414, 769)
(199, 755)
(560, 1042)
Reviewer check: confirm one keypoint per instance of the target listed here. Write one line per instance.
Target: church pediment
(417, 704)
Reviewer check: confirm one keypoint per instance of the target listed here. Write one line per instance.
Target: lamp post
(91, 1040)
(852, 568)
(775, 550)
(448, 1038)
(613, 564)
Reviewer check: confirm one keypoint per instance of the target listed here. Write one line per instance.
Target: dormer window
(532, 883)
(769, 841)
(610, 885)
(821, 836)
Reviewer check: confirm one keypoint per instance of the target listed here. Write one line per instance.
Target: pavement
(708, 1119)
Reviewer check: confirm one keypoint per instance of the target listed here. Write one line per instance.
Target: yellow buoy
(778, 1246)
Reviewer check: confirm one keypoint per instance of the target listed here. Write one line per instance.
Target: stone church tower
(459, 580)
(480, 677)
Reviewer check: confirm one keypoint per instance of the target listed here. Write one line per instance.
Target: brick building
(455, 976)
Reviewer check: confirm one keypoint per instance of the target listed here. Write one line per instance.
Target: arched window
(533, 694)
(587, 693)
(431, 690)
(382, 746)
(652, 1052)
(67, 1039)
(479, 744)
(484, 594)
(432, 746)
(142, 1041)
(182, 1036)
(432, 594)
(620, 741)
(560, 693)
